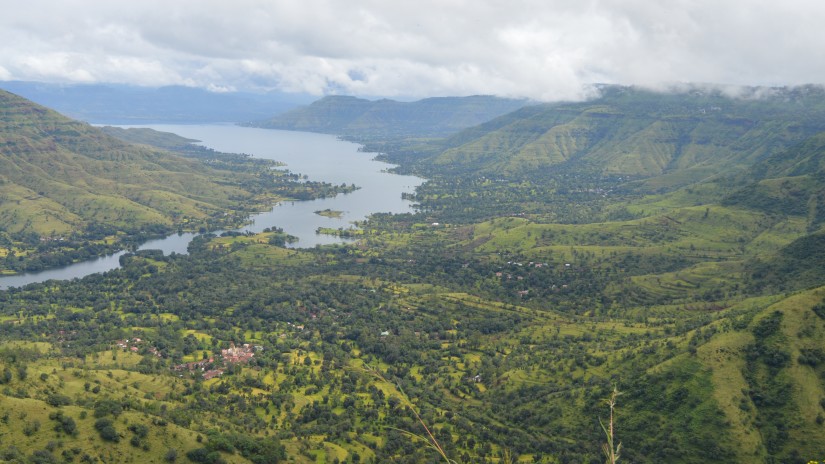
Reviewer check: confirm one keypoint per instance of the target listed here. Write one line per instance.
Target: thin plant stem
(611, 452)
(430, 438)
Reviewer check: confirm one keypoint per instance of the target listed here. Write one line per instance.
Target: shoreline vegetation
(341, 232)
(67, 210)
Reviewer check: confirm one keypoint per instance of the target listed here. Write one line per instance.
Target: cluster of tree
(501, 344)
(428, 344)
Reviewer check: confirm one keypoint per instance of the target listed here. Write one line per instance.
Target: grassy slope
(117, 380)
(726, 353)
(685, 137)
(70, 191)
(722, 365)
(60, 175)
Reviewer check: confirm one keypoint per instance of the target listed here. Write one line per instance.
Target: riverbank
(318, 157)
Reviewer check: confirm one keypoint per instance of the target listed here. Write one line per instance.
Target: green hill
(65, 183)
(806, 158)
(488, 327)
(431, 117)
(61, 175)
(684, 137)
(789, 182)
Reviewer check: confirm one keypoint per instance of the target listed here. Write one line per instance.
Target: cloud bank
(547, 50)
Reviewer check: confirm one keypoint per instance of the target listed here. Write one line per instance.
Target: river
(318, 156)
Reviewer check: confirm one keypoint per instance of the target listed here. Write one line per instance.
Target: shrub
(140, 430)
(43, 457)
(65, 424)
(56, 399)
(108, 407)
(811, 356)
(106, 429)
(204, 456)
(31, 428)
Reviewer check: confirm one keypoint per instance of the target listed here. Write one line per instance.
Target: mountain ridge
(639, 133)
(430, 117)
(125, 104)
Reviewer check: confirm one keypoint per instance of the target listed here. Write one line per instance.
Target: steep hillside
(807, 158)
(789, 182)
(77, 175)
(65, 182)
(430, 117)
(684, 137)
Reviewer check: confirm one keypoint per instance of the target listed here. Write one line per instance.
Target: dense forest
(490, 326)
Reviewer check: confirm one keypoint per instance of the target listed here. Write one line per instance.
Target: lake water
(318, 156)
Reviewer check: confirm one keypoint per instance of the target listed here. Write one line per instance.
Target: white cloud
(541, 49)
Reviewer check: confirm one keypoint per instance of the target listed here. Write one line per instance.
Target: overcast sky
(544, 49)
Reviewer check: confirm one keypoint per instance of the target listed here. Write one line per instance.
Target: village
(207, 368)
(135, 344)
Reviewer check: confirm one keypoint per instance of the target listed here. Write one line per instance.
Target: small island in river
(330, 213)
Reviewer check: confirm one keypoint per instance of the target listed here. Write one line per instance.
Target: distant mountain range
(122, 104)
(431, 117)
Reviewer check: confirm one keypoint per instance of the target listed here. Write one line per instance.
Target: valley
(554, 253)
(71, 192)
(315, 156)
